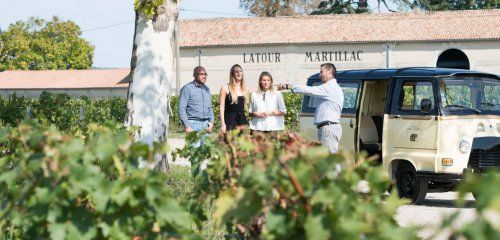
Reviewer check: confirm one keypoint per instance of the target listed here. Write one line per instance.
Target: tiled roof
(348, 28)
(65, 79)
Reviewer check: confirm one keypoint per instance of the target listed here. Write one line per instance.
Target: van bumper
(439, 177)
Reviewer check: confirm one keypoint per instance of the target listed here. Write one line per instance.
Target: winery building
(292, 48)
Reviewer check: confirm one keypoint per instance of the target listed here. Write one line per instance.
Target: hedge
(71, 114)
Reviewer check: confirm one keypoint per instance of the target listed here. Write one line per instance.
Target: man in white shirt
(329, 108)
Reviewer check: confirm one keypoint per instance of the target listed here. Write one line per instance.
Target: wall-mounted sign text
(333, 56)
(330, 56)
(261, 57)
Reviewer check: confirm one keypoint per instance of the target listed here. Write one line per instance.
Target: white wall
(288, 63)
(295, 66)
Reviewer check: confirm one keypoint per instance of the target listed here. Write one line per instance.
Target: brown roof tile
(352, 28)
(65, 79)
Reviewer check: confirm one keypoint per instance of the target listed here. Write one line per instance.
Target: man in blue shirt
(329, 108)
(195, 104)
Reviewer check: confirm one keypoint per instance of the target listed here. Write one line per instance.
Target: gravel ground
(428, 214)
(433, 210)
(175, 143)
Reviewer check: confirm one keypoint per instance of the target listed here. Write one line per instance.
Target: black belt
(325, 123)
(199, 119)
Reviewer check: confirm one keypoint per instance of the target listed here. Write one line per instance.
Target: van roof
(387, 73)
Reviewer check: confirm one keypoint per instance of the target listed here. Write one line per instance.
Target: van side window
(350, 90)
(350, 96)
(412, 93)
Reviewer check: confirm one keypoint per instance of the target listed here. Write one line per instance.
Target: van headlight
(464, 146)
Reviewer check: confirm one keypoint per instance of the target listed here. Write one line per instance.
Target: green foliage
(13, 109)
(444, 5)
(66, 113)
(269, 8)
(341, 7)
(292, 101)
(148, 7)
(59, 186)
(487, 204)
(284, 187)
(38, 45)
(57, 109)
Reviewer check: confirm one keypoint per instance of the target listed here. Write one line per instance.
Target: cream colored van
(429, 125)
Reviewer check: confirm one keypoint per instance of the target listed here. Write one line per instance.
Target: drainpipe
(199, 56)
(387, 55)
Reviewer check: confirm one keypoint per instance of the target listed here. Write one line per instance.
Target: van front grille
(485, 153)
(480, 158)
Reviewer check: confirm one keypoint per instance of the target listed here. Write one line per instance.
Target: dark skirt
(234, 120)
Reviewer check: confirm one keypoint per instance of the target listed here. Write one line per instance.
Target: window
(350, 90)
(412, 93)
(491, 97)
(470, 95)
(312, 101)
(350, 95)
(457, 95)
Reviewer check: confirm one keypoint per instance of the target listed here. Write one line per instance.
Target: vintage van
(429, 125)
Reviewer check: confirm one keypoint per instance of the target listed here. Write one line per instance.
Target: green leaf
(223, 204)
(57, 231)
(276, 222)
(170, 211)
(316, 228)
(122, 196)
(154, 191)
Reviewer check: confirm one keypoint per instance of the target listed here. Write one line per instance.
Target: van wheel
(408, 185)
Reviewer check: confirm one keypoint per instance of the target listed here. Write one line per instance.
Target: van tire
(408, 185)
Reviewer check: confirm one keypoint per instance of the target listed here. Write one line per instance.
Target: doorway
(453, 58)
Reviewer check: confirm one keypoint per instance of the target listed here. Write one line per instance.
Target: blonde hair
(266, 74)
(232, 84)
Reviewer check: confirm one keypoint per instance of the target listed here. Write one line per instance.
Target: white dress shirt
(330, 100)
(269, 101)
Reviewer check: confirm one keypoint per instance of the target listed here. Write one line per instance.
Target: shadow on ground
(446, 203)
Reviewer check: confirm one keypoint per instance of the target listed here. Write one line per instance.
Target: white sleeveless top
(270, 101)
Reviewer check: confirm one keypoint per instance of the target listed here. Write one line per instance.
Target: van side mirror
(425, 105)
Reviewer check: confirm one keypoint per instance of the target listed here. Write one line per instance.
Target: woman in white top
(267, 106)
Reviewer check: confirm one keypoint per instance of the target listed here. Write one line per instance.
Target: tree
(442, 5)
(38, 45)
(438, 5)
(274, 8)
(152, 71)
(341, 7)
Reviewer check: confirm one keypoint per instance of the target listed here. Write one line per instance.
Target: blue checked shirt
(195, 104)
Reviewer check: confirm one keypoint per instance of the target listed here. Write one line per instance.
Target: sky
(108, 24)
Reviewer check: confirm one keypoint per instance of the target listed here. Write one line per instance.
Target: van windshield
(461, 96)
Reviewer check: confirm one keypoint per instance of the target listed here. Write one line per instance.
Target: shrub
(486, 225)
(283, 187)
(57, 186)
(13, 109)
(73, 114)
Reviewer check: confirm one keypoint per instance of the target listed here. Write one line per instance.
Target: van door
(370, 116)
(306, 118)
(348, 120)
(410, 133)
